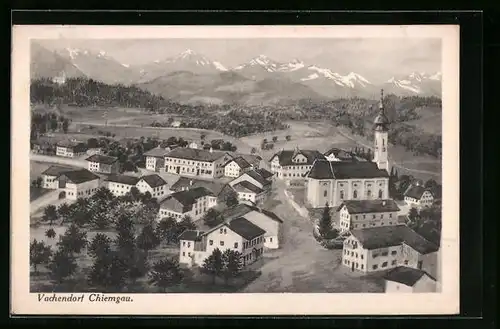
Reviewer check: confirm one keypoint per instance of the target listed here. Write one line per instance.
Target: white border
(446, 302)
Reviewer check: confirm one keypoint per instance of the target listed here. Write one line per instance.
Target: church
(333, 182)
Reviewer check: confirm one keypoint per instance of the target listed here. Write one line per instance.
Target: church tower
(381, 127)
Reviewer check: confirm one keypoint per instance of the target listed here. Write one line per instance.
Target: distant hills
(191, 77)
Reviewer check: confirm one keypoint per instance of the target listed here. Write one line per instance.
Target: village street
(302, 264)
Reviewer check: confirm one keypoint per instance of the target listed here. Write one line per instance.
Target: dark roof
(323, 169)
(191, 235)
(154, 180)
(67, 143)
(102, 159)
(406, 275)
(389, 236)
(245, 186)
(258, 177)
(369, 206)
(213, 186)
(286, 156)
(242, 163)
(241, 209)
(381, 121)
(250, 158)
(80, 176)
(157, 152)
(339, 153)
(123, 179)
(56, 170)
(195, 154)
(264, 173)
(245, 228)
(188, 197)
(416, 191)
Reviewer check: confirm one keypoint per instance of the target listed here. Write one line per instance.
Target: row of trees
(427, 222)
(42, 123)
(399, 184)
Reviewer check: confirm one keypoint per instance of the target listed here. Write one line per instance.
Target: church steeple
(381, 127)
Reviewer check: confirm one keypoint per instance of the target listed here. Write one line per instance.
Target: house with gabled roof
(193, 203)
(154, 184)
(249, 192)
(236, 166)
(418, 196)
(336, 154)
(79, 183)
(120, 185)
(385, 247)
(334, 182)
(255, 177)
(201, 163)
(50, 177)
(219, 189)
(356, 214)
(155, 158)
(103, 164)
(403, 279)
(238, 234)
(293, 164)
(71, 149)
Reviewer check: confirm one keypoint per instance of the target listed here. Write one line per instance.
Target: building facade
(153, 184)
(385, 247)
(155, 158)
(50, 177)
(357, 214)
(418, 196)
(78, 184)
(404, 279)
(293, 164)
(103, 164)
(196, 162)
(193, 203)
(235, 167)
(70, 149)
(120, 185)
(249, 192)
(238, 234)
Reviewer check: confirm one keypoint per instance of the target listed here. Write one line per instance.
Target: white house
(193, 145)
(120, 185)
(50, 177)
(103, 164)
(418, 196)
(293, 164)
(356, 214)
(238, 234)
(196, 162)
(70, 149)
(256, 177)
(153, 184)
(78, 183)
(265, 219)
(219, 189)
(385, 247)
(193, 203)
(404, 279)
(235, 167)
(334, 182)
(249, 192)
(155, 158)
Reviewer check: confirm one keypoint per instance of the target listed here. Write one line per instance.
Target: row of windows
(170, 214)
(252, 243)
(296, 167)
(373, 224)
(203, 164)
(352, 253)
(385, 253)
(355, 194)
(373, 216)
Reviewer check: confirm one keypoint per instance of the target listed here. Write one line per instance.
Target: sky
(376, 59)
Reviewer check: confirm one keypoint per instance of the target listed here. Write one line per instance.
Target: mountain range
(192, 77)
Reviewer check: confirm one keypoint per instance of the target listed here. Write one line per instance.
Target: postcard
(235, 170)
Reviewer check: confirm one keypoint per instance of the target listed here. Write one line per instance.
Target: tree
(39, 254)
(108, 271)
(325, 223)
(63, 264)
(73, 240)
(49, 214)
(202, 137)
(165, 228)
(65, 126)
(92, 143)
(37, 182)
(232, 264)
(275, 138)
(213, 265)
(147, 239)
(413, 215)
(50, 233)
(64, 212)
(100, 246)
(135, 193)
(138, 266)
(288, 137)
(125, 239)
(231, 198)
(212, 218)
(165, 273)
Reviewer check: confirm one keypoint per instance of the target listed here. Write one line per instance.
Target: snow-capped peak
(293, 65)
(219, 66)
(102, 53)
(126, 65)
(186, 53)
(357, 78)
(436, 76)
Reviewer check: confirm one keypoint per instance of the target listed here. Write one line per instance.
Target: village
(225, 213)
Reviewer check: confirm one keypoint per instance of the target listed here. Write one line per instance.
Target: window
(183, 243)
(189, 244)
(375, 267)
(364, 216)
(221, 230)
(390, 215)
(183, 253)
(381, 216)
(222, 243)
(362, 266)
(355, 194)
(375, 255)
(406, 262)
(419, 265)
(325, 193)
(384, 253)
(189, 254)
(341, 194)
(393, 262)
(373, 216)
(380, 194)
(394, 252)
(362, 256)
(384, 264)
(211, 242)
(236, 245)
(225, 231)
(270, 239)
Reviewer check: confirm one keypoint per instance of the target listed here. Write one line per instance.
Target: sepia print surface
(191, 167)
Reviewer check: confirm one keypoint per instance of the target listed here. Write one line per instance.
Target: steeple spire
(381, 104)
